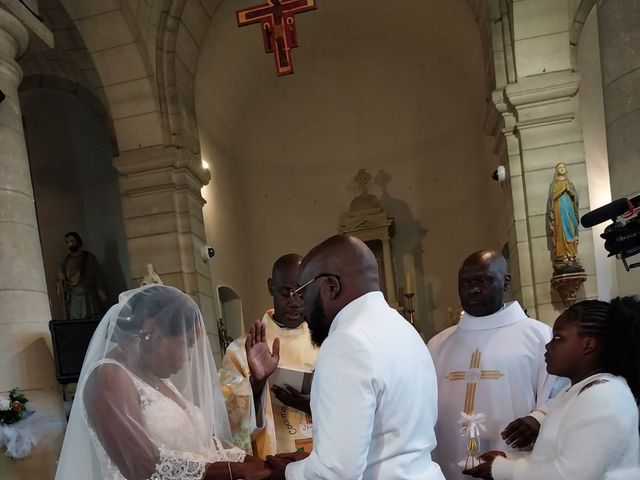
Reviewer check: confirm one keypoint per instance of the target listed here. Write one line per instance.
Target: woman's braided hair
(618, 324)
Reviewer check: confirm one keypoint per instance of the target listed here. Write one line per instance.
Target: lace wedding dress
(184, 446)
(131, 430)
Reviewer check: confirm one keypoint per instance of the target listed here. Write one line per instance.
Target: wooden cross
(278, 27)
(473, 376)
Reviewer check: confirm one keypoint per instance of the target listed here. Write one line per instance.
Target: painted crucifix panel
(276, 18)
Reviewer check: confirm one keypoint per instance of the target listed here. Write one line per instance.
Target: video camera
(622, 237)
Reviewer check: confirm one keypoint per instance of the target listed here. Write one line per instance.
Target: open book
(299, 378)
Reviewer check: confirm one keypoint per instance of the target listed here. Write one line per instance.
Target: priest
(492, 377)
(265, 419)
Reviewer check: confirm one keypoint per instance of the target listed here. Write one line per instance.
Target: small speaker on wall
(70, 340)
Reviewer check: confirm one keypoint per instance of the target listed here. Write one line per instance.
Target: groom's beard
(318, 323)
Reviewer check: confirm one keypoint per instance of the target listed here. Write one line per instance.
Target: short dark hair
(75, 235)
(284, 262)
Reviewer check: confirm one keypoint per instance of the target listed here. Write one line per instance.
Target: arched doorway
(231, 311)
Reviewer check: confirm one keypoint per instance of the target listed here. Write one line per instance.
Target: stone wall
(393, 94)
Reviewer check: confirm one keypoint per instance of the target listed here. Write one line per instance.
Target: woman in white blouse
(591, 430)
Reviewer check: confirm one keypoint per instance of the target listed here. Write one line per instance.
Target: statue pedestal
(567, 285)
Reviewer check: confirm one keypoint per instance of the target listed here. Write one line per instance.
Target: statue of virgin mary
(562, 208)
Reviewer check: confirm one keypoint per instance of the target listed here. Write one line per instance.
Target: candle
(408, 282)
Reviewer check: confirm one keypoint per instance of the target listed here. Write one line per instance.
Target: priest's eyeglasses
(300, 290)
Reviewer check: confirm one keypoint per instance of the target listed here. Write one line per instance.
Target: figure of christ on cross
(472, 377)
(278, 27)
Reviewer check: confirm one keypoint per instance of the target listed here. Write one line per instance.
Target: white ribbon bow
(472, 423)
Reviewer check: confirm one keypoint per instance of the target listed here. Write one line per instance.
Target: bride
(148, 403)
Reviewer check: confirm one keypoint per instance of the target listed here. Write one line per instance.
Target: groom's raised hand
(262, 361)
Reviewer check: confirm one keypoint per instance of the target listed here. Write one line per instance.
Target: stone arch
(480, 10)
(174, 118)
(488, 14)
(163, 84)
(575, 29)
(66, 67)
(48, 80)
(181, 29)
(123, 71)
(159, 45)
(74, 183)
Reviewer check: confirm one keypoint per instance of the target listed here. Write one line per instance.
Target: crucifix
(278, 27)
(472, 377)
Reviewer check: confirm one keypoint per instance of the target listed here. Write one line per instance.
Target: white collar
(351, 309)
(509, 313)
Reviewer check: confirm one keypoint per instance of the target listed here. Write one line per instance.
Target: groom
(373, 417)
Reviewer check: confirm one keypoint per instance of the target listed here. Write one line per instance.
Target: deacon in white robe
(490, 366)
(374, 393)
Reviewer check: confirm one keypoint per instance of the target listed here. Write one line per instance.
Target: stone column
(536, 94)
(619, 39)
(26, 360)
(162, 212)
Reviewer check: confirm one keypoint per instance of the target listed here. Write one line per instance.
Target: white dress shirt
(373, 399)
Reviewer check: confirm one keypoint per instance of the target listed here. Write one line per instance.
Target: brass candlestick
(410, 310)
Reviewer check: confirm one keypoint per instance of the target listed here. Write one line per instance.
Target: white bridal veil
(148, 402)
